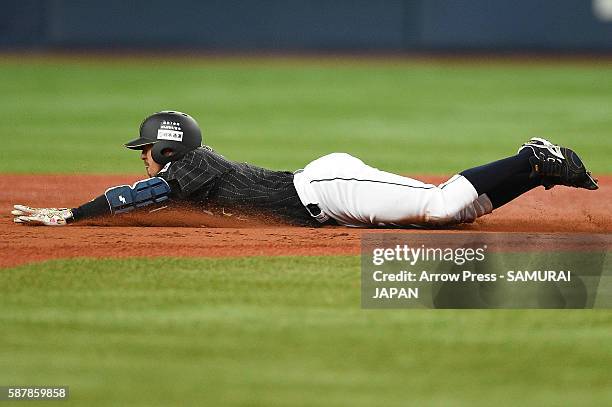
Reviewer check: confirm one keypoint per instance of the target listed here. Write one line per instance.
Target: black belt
(317, 213)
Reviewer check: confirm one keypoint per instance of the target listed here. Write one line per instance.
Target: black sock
(488, 177)
(511, 189)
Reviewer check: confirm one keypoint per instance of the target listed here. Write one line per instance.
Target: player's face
(151, 166)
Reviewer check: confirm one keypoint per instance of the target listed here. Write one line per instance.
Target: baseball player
(337, 189)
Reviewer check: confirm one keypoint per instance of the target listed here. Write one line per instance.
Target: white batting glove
(41, 216)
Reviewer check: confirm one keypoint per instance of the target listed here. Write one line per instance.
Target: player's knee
(439, 217)
(438, 212)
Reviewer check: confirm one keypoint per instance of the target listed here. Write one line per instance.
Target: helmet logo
(169, 135)
(169, 130)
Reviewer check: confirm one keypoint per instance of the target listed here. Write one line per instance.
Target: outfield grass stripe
(404, 117)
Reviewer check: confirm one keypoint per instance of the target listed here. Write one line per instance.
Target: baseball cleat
(557, 165)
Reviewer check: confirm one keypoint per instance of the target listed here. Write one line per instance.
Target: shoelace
(550, 167)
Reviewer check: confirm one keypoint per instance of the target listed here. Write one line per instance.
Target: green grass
(290, 331)
(281, 331)
(66, 115)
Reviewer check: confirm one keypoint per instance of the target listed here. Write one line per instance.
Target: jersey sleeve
(92, 209)
(189, 178)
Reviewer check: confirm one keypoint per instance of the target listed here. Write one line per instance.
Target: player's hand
(41, 216)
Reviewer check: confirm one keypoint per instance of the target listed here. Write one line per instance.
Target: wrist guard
(125, 198)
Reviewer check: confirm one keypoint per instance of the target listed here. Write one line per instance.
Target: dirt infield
(562, 209)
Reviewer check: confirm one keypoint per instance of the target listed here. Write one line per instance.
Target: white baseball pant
(355, 194)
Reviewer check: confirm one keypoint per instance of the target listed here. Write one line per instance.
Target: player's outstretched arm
(115, 201)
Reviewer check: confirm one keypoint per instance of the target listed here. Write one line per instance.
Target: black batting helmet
(168, 131)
